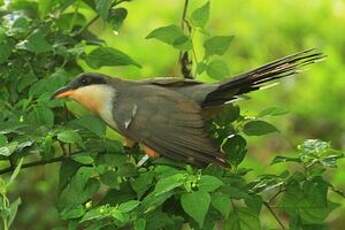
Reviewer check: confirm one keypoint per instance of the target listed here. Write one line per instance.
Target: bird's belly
(107, 116)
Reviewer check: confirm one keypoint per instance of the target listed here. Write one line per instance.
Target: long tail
(258, 78)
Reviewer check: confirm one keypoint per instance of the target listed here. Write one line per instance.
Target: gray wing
(195, 90)
(167, 122)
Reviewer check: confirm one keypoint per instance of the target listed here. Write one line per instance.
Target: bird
(167, 116)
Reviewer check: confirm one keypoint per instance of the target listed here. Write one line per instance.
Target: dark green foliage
(100, 186)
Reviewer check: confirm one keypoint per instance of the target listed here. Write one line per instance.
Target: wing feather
(167, 122)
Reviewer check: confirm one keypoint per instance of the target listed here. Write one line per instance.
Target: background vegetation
(45, 43)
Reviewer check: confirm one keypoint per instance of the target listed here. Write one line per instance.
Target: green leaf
(308, 200)
(273, 111)
(236, 149)
(116, 18)
(106, 56)
(282, 159)
(110, 178)
(69, 137)
(140, 224)
(141, 184)
(73, 212)
(26, 81)
(242, 219)
(258, 128)
(6, 46)
(254, 202)
(3, 139)
(222, 203)
(209, 183)
(196, 204)
(16, 172)
(128, 206)
(172, 35)
(217, 45)
(169, 183)
(83, 159)
(8, 149)
(42, 115)
(13, 211)
(103, 8)
(217, 69)
(92, 123)
(201, 15)
(37, 43)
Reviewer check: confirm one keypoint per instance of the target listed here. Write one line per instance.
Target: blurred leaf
(209, 183)
(308, 200)
(217, 45)
(92, 123)
(15, 172)
(258, 128)
(140, 224)
(3, 139)
(109, 178)
(117, 16)
(281, 159)
(201, 15)
(172, 35)
(217, 69)
(72, 212)
(128, 206)
(273, 111)
(83, 159)
(69, 137)
(36, 43)
(42, 115)
(222, 203)
(64, 21)
(6, 46)
(254, 202)
(106, 56)
(168, 183)
(196, 205)
(201, 67)
(242, 219)
(8, 149)
(13, 211)
(235, 149)
(103, 8)
(141, 184)
(26, 81)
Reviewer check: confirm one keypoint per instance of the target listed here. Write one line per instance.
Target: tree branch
(36, 163)
(184, 59)
(276, 217)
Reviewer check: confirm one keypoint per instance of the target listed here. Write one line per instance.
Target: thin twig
(183, 57)
(36, 163)
(276, 217)
(276, 195)
(86, 26)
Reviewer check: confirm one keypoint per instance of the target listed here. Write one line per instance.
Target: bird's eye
(84, 81)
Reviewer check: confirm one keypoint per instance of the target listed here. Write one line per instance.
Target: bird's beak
(65, 91)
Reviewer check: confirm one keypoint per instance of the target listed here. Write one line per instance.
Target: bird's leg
(129, 145)
(149, 153)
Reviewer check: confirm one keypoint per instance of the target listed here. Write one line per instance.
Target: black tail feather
(258, 78)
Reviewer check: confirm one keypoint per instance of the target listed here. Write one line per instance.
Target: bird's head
(91, 90)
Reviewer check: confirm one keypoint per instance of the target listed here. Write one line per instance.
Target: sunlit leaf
(217, 69)
(106, 56)
(217, 45)
(201, 15)
(196, 205)
(172, 35)
(258, 128)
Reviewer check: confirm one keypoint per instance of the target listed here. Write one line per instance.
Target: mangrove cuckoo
(167, 115)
